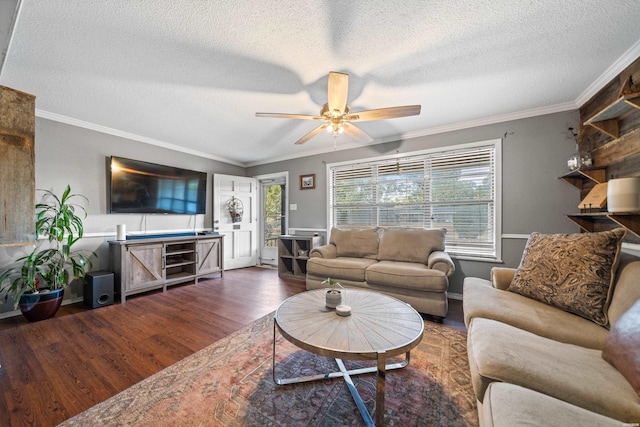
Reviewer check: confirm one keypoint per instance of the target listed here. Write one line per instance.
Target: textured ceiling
(192, 74)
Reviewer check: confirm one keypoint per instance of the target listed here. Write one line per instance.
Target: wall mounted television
(141, 187)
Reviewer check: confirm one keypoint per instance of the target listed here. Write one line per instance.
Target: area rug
(230, 383)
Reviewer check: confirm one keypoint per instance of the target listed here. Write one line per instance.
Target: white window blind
(453, 189)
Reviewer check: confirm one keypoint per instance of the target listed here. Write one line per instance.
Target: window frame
(496, 144)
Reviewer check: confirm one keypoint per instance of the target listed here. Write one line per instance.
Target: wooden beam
(616, 150)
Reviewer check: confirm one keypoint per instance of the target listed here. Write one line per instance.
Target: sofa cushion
(481, 299)
(577, 375)
(407, 275)
(574, 272)
(626, 291)
(508, 405)
(355, 243)
(342, 268)
(411, 245)
(622, 346)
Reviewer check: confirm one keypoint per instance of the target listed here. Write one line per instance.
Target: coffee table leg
(382, 371)
(366, 417)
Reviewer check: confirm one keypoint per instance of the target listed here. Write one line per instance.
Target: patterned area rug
(230, 383)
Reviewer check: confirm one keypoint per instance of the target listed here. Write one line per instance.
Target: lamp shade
(623, 195)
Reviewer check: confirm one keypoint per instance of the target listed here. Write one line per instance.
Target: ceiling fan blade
(311, 134)
(385, 113)
(338, 89)
(289, 116)
(355, 132)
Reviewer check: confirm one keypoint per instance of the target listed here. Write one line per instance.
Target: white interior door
(240, 237)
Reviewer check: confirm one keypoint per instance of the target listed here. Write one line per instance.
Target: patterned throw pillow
(573, 272)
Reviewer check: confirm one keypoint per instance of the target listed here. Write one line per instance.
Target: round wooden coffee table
(378, 328)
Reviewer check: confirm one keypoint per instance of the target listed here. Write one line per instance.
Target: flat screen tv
(142, 187)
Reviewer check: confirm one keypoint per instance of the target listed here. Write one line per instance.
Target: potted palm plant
(38, 279)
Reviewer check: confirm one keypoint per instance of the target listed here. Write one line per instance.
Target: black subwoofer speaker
(98, 289)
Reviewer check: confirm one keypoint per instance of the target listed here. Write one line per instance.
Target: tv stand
(144, 264)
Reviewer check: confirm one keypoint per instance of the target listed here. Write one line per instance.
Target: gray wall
(534, 199)
(68, 154)
(534, 155)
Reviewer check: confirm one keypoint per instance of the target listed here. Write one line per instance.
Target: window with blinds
(451, 188)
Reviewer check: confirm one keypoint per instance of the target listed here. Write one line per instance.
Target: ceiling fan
(337, 115)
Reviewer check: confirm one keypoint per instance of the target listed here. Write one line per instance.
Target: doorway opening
(273, 218)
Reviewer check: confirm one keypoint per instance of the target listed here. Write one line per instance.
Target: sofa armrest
(441, 260)
(325, 251)
(501, 277)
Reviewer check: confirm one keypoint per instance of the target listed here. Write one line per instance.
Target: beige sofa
(536, 364)
(408, 264)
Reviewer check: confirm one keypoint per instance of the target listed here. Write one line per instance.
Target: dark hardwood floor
(57, 368)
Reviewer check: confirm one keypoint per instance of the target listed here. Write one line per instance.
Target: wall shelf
(607, 119)
(577, 177)
(590, 221)
(599, 221)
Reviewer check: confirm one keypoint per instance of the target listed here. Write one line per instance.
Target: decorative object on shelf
(236, 209)
(596, 199)
(55, 264)
(333, 296)
(574, 162)
(308, 182)
(121, 232)
(578, 159)
(623, 195)
(303, 253)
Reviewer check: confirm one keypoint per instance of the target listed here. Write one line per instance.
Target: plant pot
(41, 305)
(333, 298)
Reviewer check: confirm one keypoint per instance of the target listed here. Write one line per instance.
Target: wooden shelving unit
(607, 120)
(292, 263)
(598, 221)
(180, 262)
(142, 265)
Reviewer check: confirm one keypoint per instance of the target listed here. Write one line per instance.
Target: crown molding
(4, 51)
(557, 108)
(115, 132)
(611, 73)
(524, 114)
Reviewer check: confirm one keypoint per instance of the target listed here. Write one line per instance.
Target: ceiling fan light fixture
(336, 113)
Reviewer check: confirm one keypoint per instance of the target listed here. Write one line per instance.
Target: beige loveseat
(408, 264)
(533, 363)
